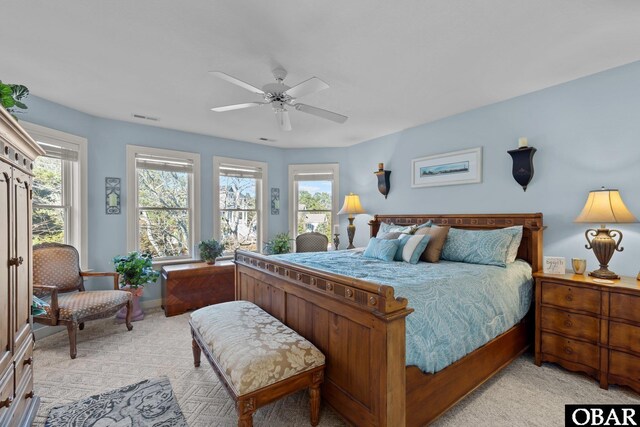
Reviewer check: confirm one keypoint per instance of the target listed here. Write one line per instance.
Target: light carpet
(109, 357)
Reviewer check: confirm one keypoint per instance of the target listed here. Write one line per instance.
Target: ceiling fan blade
(236, 106)
(307, 87)
(283, 120)
(325, 114)
(237, 82)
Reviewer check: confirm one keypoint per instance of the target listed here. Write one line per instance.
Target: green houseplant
(211, 249)
(11, 96)
(135, 270)
(280, 244)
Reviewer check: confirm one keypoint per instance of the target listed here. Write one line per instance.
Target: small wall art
(457, 167)
(112, 195)
(275, 201)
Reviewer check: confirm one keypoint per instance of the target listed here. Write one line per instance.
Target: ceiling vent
(141, 117)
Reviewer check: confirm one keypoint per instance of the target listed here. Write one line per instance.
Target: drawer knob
(568, 323)
(569, 298)
(568, 350)
(29, 395)
(28, 361)
(6, 403)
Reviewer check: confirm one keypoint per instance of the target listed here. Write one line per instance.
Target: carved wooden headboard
(530, 249)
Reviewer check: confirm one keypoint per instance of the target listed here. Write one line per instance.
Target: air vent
(142, 117)
(263, 139)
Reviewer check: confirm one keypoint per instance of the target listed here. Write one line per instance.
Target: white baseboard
(42, 331)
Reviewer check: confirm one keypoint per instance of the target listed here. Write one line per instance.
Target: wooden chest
(191, 286)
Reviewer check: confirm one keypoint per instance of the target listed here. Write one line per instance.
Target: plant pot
(211, 262)
(136, 308)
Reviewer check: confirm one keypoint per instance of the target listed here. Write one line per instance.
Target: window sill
(157, 265)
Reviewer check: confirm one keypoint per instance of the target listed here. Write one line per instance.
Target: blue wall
(586, 132)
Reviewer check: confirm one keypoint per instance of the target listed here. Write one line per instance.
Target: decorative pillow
(423, 225)
(488, 247)
(438, 236)
(392, 235)
(512, 250)
(381, 249)
(392, 228)
(411, 247)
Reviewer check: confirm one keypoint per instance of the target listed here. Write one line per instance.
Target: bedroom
(415, 80)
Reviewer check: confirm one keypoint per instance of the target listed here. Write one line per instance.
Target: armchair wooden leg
(196, 352)
(128, 318)
(71, 329)
(81, 326)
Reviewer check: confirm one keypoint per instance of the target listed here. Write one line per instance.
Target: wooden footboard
(359, 326)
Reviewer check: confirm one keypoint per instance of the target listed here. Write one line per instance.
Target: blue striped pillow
(381, 249)
(411, 247)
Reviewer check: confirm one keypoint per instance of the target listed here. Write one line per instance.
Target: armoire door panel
(22, 203)
(6, 339)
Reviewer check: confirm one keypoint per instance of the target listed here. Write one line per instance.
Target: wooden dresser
(589, 327)
(190, 286)
(18, 404)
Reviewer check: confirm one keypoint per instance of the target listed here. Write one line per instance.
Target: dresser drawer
(573, 325)
(24, 359)
(6, 396)
(624, 336)
(571, 350)
(625, 306)
(624, 365)
(571, 297)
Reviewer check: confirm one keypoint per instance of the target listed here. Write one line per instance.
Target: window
(164, 213)
(313, 192)
(59, 189)
(239, 203)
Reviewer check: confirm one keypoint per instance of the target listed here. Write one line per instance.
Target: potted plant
(136, 270)
(211, 249)
(11, 96)
(280, 244)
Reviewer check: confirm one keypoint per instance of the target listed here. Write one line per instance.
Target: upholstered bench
(257, 358)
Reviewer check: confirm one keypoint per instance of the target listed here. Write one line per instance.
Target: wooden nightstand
(589, 327)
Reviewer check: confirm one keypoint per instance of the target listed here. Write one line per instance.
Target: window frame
(74, 185)
(133, 208)
(262, 199)
(312, 168)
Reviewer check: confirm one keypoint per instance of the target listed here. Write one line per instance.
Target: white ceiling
(391, 65)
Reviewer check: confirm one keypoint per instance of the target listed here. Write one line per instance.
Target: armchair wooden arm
(103, 274)
(54, 301)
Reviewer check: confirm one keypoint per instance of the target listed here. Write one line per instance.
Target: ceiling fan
(281, 96)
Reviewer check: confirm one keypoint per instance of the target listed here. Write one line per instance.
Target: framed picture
(457, 167)
(112, 195)
(275, 201)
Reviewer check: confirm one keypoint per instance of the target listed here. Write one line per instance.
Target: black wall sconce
(523, 163)
(384, 185)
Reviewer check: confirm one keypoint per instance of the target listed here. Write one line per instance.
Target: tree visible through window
(49, 209)
(314, 207)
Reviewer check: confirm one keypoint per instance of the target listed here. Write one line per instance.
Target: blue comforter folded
(458, 307)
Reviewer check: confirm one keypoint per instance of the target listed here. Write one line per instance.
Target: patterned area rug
(147, 403)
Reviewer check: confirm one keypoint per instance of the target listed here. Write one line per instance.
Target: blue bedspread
(458, 307)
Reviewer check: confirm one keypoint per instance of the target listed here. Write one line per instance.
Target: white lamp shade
(605, 206)
(351, 205)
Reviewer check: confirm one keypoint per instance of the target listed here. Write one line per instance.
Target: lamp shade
(605, 206)
(351, 205)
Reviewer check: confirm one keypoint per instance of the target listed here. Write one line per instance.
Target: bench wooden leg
(196, 352)
(314, 400)
(245, 408)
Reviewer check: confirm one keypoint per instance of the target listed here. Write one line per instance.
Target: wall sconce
(384, 185)
(523, 163)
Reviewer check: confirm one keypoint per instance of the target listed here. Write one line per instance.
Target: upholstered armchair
(57, 279)
(311, 242)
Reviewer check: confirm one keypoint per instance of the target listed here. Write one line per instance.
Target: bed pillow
(488, 247)
(381, 249)
(423, 225)
(391, 235)
(392, 228)
(438, 235)
(411, 247)
(512, 250)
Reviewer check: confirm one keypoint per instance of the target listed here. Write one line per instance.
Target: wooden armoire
(18, 150)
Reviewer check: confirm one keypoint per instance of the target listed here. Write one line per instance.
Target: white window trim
(132, 198)
(80, 212)
(262, 197)
(293, 196)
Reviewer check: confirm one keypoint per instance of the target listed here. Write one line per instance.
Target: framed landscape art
(457, 167)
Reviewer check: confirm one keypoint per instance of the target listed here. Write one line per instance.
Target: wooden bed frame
(360, 327)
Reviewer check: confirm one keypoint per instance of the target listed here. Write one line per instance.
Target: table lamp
(604, 206)
(351, 206)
